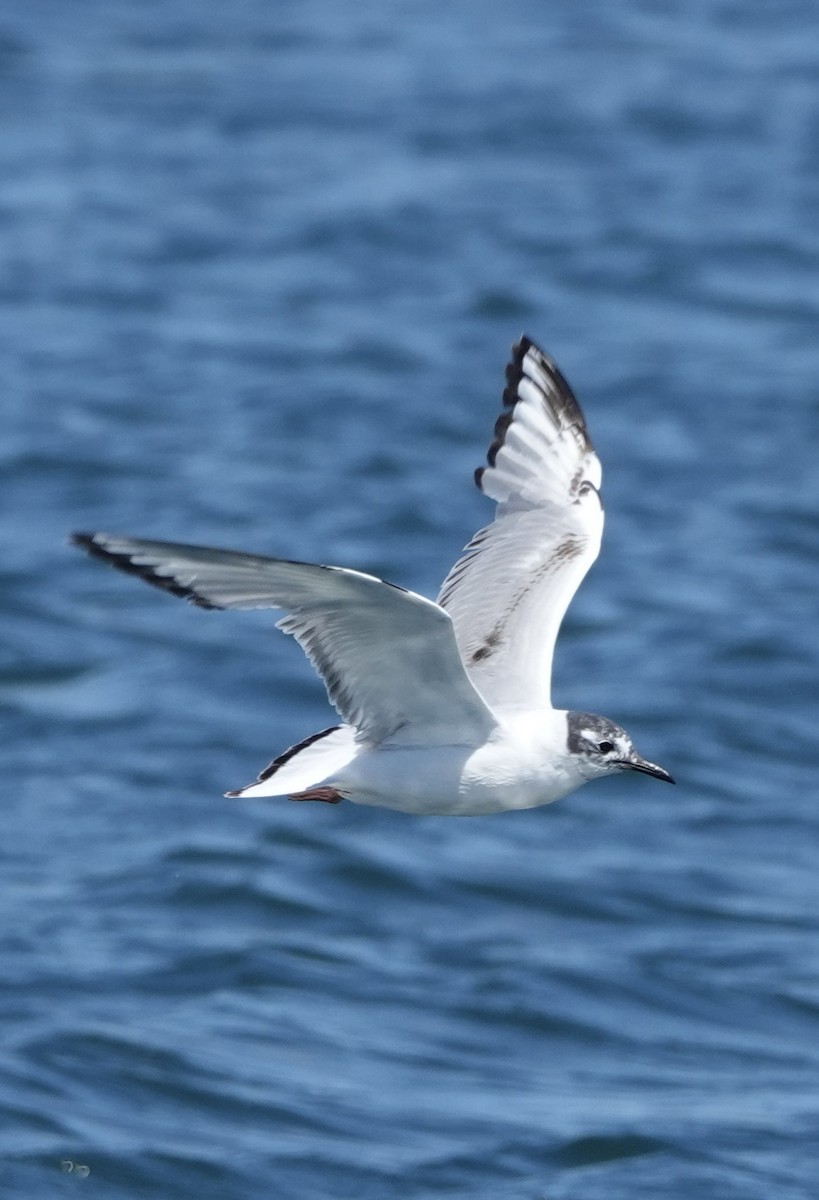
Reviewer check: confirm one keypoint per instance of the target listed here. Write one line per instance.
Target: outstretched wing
(388, 657)
(508, 593)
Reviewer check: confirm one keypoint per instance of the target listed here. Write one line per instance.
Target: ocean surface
(260, 267)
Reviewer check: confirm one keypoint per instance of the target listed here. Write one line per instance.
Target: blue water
(260, 266)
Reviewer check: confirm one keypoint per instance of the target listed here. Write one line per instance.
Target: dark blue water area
(260, 267)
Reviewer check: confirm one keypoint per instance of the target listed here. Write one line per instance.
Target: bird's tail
(306, 764)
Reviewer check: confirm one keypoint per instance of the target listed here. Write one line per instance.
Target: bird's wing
(508, 592)
(388, 657)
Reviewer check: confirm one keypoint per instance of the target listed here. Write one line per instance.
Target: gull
(445, 706)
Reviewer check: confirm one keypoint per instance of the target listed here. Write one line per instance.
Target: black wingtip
(88, 542)
(563, 395)
(557, 396)
(94, 544)
(521, 348)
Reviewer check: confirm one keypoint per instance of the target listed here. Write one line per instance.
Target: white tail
(306, 764)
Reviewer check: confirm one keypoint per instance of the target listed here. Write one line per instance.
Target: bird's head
(600, 747)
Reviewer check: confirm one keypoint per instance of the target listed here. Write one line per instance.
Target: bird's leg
(328, 794)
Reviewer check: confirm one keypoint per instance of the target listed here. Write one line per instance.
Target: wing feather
(387, 656)
(509, 591)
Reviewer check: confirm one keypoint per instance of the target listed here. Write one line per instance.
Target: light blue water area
(260, 267)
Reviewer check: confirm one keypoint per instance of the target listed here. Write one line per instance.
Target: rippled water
(260, 268)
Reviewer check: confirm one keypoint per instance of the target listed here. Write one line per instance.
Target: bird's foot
(328, 794)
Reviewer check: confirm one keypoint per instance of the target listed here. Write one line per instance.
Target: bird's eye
(605, 747)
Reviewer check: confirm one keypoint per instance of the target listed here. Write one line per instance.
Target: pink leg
(328, 794)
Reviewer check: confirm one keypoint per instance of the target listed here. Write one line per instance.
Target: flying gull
(446, 705)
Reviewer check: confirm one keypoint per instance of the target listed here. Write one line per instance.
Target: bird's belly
(450, 781)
